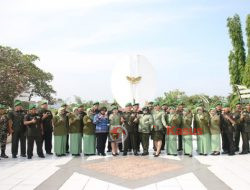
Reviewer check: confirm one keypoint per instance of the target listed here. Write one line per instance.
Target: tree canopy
(18, 73)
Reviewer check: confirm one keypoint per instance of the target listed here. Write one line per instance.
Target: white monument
(133, 80)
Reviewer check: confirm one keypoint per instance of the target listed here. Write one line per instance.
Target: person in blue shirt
(102, 128)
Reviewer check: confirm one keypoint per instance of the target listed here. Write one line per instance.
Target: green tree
(246, 78)
(237, 57)
(18, 73)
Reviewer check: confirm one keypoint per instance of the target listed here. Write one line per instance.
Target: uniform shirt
(159, 120)
(89, 126)
(127, 121)
(75, 123)
(47, 122)
(215, 124)
(202, 121)
(145, 123)
(17, 118)
(4, 123)
(246, 122)
(226, 124)
(60, 125)
(34, 129)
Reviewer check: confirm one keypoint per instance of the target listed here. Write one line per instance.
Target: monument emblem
(133, 80)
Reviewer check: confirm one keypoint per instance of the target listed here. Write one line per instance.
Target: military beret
(79, 106)
(156, 104)
(212, 108)
(151, 103)
(2, 106)
(114, 108)
(136, 104)
(17, 103)
(164, 104)
(31, 106)
(218, 104)
(226, 105)
(64, 104)
(96, 103)
(237, 103)
(44, 102)
(172, 108)
(103, 108)
(180, 103)
(128, 104)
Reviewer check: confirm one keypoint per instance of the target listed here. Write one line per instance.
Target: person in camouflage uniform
(4, 130)
(245, 121)
(145, 127)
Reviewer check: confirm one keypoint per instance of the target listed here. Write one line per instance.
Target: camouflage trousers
(3, 139)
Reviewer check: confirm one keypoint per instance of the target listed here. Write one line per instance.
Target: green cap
(226, 105)
(238, 103)
(17, 103)
(128, 104)
(156, 104)
(80, 106)
(150, 103)
(2, 106)
(180, 103)
(136, 104)
(96, 103)
(31, 106)
(218, 104)
(44, 102)
(164, 104)
(114, 108)
(64, 104)
(212, 108)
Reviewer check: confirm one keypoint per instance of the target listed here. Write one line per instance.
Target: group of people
(87, 131)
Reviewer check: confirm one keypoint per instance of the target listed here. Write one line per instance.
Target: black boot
(3, 155)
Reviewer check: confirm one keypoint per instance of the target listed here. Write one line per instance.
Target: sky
(80, 41)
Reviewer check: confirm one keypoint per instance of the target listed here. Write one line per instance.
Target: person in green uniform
(245, 122)
(201, 124)
(158, 127)
(172, 132)
(187, 140)
(135, 124)
(19, 129)
(89, 137)
(179, 112)
(145, 127)
(46, 116)
(5, 130)
(238, 128)
(127, 121)
(75, 132)
(164, 108)
(215, 132)
(35, 130)
(60, 132)
(114, 121)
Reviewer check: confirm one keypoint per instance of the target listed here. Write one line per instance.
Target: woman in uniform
(187, 132)
(158, 128)
(215, 132)
(201, 124)
(75, 132)
(60, 133)
(145, 125)
(114, 121)
(171, 137)
(89, 138)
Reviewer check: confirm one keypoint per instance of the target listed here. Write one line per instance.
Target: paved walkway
(107, 173)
